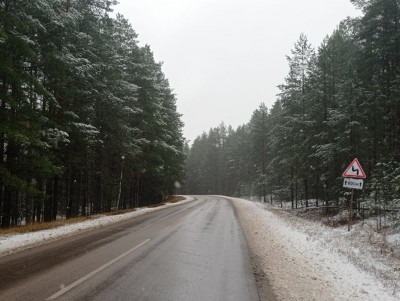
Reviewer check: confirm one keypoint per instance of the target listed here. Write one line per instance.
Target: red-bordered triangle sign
(354, 170)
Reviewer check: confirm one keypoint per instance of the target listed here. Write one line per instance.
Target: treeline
(88, 122)
(337, 103)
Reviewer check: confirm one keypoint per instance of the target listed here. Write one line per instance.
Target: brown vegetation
(51, 225)
(174, 199)
(44, 226)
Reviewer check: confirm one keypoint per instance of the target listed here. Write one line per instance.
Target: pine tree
(80, 105)
(293, 97)
(259, 130)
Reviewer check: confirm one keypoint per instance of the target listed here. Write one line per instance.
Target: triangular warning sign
(354, 170)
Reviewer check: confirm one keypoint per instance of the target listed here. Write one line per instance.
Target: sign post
(353, 180)
(350, 211)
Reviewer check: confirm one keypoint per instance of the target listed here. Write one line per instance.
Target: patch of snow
(304, 260)
(394, 239)
(16, 242)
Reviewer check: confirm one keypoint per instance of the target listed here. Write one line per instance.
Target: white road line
(76, 283)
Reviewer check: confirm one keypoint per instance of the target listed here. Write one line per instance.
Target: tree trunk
(317, 191)
(6, 210)
(70, 185)
(55, 199)
(306, 191)
(47, 191)
(292, 186)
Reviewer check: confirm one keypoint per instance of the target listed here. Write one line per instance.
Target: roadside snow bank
(17, 242)
(302, 260)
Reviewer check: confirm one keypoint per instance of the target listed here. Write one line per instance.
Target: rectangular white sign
(353, 183)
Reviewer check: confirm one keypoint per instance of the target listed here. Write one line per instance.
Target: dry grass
(117, 212)
(55, 224)
(156, 205)
(44, 226)
(175, 199)
(170, 199)
(51, 225)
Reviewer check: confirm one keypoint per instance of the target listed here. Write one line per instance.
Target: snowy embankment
(302, 260)
(17, 242)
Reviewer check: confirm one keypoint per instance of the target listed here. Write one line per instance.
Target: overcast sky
(224, 57)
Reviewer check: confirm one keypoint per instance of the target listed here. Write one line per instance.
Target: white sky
(224, 57)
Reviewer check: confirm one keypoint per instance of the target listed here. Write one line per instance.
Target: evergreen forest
(338, 102)
(88, 121)
(89, 124)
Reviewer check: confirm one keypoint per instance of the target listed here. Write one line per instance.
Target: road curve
(194, 251)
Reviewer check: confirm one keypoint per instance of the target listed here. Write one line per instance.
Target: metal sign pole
(350, 210)
(354, 170)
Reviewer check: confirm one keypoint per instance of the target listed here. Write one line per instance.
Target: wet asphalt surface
(194, 251)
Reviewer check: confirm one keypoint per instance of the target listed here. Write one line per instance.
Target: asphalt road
(194, 251)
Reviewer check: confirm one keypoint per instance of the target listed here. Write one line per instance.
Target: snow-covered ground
(303, 260)
(295, 258)
(16, 242)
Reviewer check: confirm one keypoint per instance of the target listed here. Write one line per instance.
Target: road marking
(76, 283)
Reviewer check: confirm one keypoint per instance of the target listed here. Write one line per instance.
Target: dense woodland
(337, 103)
(88, 122)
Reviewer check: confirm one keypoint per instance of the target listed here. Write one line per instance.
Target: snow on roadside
(302, 260)
(16, 242)
(297, 258)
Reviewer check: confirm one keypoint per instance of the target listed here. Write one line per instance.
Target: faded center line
(76, 283)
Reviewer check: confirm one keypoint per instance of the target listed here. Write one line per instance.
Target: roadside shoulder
(293, 259)
(12, 243)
